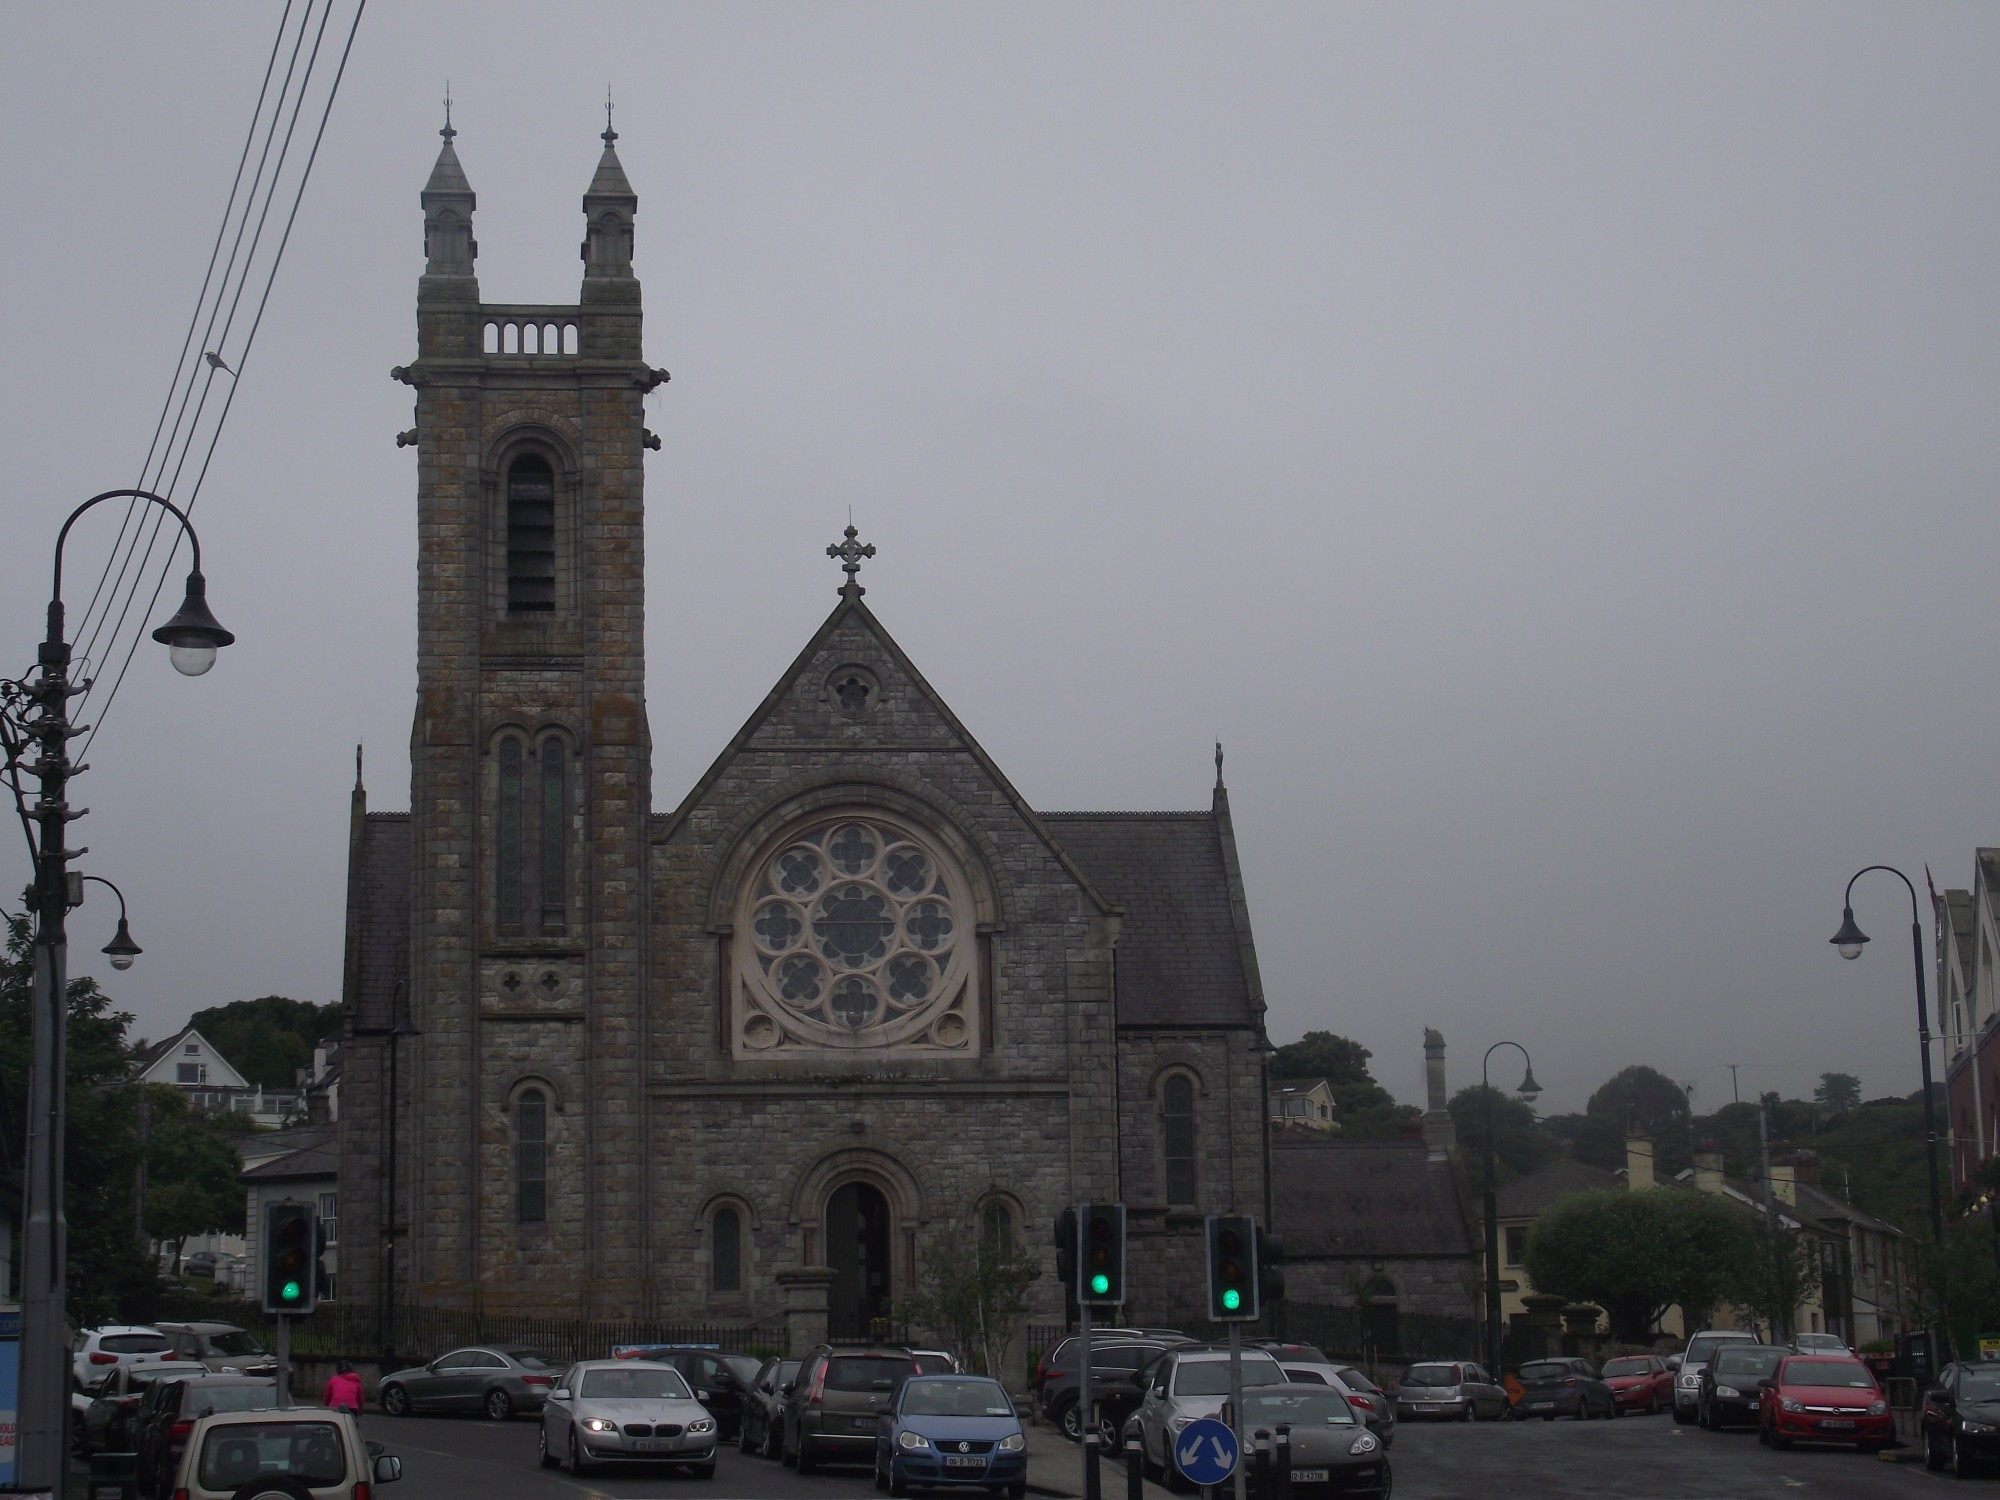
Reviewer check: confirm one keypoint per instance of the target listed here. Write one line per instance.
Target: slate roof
(318, 1156)
(1180, 956)
(379, 932)
(1831, 1208)
(1366, 1198)
(1527, 1196)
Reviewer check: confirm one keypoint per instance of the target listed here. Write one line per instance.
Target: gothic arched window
(507, 850)
(531, 834)
(726, 1250)
(1177, 1139)
(531, 535)
(554, 813)
(531, 1156)
(996, 1229)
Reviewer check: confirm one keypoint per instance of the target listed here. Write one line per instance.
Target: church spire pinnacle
(609, 135)
(609, 205)
(850, 553)
(448, 200)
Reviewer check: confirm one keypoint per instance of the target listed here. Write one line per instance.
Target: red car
(1817, 1399)
(1639, 1382)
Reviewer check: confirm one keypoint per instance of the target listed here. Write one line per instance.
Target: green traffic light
(1100, 1284)
(1232, 1299)
(290, 1291)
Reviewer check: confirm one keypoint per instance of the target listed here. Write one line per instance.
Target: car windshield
(1356, 1381)
(866, 1373)
(1627, 1367)
(1210, 1377)
(530, 1359)
(956, 1398)
(235, 1342)
(1979, 1385)
(203, 1397)
(134, 1343)
(1300, 1407)
(1432, 1375)
(1829, 1372)
(1547, 1369)
(1757, 1362)
(1701, 1348)
(634, 1383)
(252, 1453)
(742, 1366)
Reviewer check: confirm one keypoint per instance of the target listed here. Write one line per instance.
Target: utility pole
(1770, 1210)
(1734, 1095)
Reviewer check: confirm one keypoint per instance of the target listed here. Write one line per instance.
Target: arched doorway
(857, 1251)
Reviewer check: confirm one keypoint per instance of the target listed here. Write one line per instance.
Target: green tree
(1645, 1100)
(1838, 1092)
(1321, 1054)
(1364, 1109)
(1784, 1273)
(191, 1173)
(1637, 1254)
(267, 1040)
(1519, 1146)
(973, 1293)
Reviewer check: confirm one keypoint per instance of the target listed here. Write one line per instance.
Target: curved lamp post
(121, 948)
(37, 711)
(1850, 940)
(1529, 1091)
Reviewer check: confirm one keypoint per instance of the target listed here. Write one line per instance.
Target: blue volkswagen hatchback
(951, 1430)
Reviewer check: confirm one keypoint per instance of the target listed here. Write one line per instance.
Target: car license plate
(954, 1461)
(652, 1445)
(1832, 1425)
(1540, 1405)
(1308, 1476)
(1426, 1406)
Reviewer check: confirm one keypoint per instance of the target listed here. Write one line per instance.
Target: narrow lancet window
(531, 536)
(554, 827)
(727, 1234)
(507, 837)
(531, 1164)
(1177, 1120)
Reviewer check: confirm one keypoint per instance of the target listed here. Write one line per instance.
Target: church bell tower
(530, 754)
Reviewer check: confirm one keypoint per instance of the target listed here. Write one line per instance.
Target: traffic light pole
(284, 1360)
(1086, 1422)
(1236, 1405)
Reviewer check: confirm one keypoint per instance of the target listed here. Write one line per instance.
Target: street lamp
(36, 711)
(1850, 940)
(1529, 1091)
(121, 948)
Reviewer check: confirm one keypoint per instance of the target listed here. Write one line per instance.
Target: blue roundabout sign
(1206, 1451)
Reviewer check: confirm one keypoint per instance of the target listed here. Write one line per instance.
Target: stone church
(740, 1061)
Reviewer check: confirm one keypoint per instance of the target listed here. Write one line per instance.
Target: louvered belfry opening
(531, 535)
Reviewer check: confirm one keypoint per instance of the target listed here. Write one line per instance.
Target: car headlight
(598, 1424)
(1876, 1408)
(1363, 1443)
(1689, 1382)
(1177, 1423)
(700, 1425)
(1730, 1391)
(1013, 1442)
(1978, 1429)
(913, 1440)
(1790, 1405)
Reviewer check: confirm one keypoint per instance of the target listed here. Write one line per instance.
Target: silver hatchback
(605, 1411)
(1456, 1392)
(1187, 1385)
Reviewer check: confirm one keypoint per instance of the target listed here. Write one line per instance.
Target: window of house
(531, 1161)
(1517, 1244)
(191, 1073)
(1177, 1138)
(192, 1049)
(531, 536)
(726, 1250)
(329, 1216)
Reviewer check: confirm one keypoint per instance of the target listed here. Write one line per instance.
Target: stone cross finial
(447, 132)
(610, 135)
(850, 552)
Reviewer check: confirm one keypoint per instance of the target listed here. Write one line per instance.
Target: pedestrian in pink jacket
(343, 1390)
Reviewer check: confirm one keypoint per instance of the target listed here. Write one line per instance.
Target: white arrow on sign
(1192, 1452)
(1221, 1453)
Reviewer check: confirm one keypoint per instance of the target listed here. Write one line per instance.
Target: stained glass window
(726, 1230)
(531, 1161)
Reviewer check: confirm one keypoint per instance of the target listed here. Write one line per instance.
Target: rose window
(859, 935)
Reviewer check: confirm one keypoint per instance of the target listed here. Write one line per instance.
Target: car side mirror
(1938, 1393)
(560, 1393)
(788, 1387)
(703, 1395)
(388, 1469)
(1765, 1385)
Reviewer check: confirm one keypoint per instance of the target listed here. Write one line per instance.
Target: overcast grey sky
(1551, 445)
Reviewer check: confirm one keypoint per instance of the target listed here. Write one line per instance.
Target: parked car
(1113, 1366)
(720, 1380)
(950, 1430)
(1064, 1351)
(166, 1416)
(1374, 1406)
(1458, 1391)
(1188, 1384)
(1822, 1343)
(1817, 1399)
(1730, 1384)
(308, 1454)
(834, 1404)
(495, 1380)
(222, 1347)
(620, 1411)
(935, 1362)
(104, 1423)
(1961, 1419)
(1565, 1387)
(1333, 1452)
(203, 1263)
(100, 1348)
(764, 1408)
(1687, 1377)
(1639, 1382)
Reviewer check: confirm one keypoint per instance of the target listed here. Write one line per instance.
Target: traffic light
(1066, 1251)
(1270, 1267)
(1232, 1268)
(291, 1243)
(1101, 1255)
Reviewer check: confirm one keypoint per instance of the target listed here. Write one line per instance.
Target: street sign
(1206, 1451)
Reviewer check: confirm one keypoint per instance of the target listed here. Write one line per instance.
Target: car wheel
(1471, 1412)
(549, 1460)
(1780, 1441)
(1681, 1418)
(743, 1443)
(576, 1464)
(1763, 1434)
(774, 1440)
(898, 1486)
(1933, 1454)
(395, 1401)
(499, 1406)
(1107, 1435)
(1959, 1461)
(881, 1474)
(805, 1462)
(1069, 1422)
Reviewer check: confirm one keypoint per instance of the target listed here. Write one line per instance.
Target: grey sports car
(1333, 1453)
(606, 1411)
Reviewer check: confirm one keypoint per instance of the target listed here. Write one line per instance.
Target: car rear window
(236, 1342)
(1210, 1377)
(1432, 1375)
(1829, 1372)
(1547, 1369)
(933, 1364)
(856, 1372)
(134, 1343)
(1627, 1367)
(252, 1453)
(200, 1397)
(531, 1359)
(1701, 1348)
(1758, 1362)
(1356, 1381)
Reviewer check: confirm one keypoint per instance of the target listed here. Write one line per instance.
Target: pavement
(1055, 1467)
